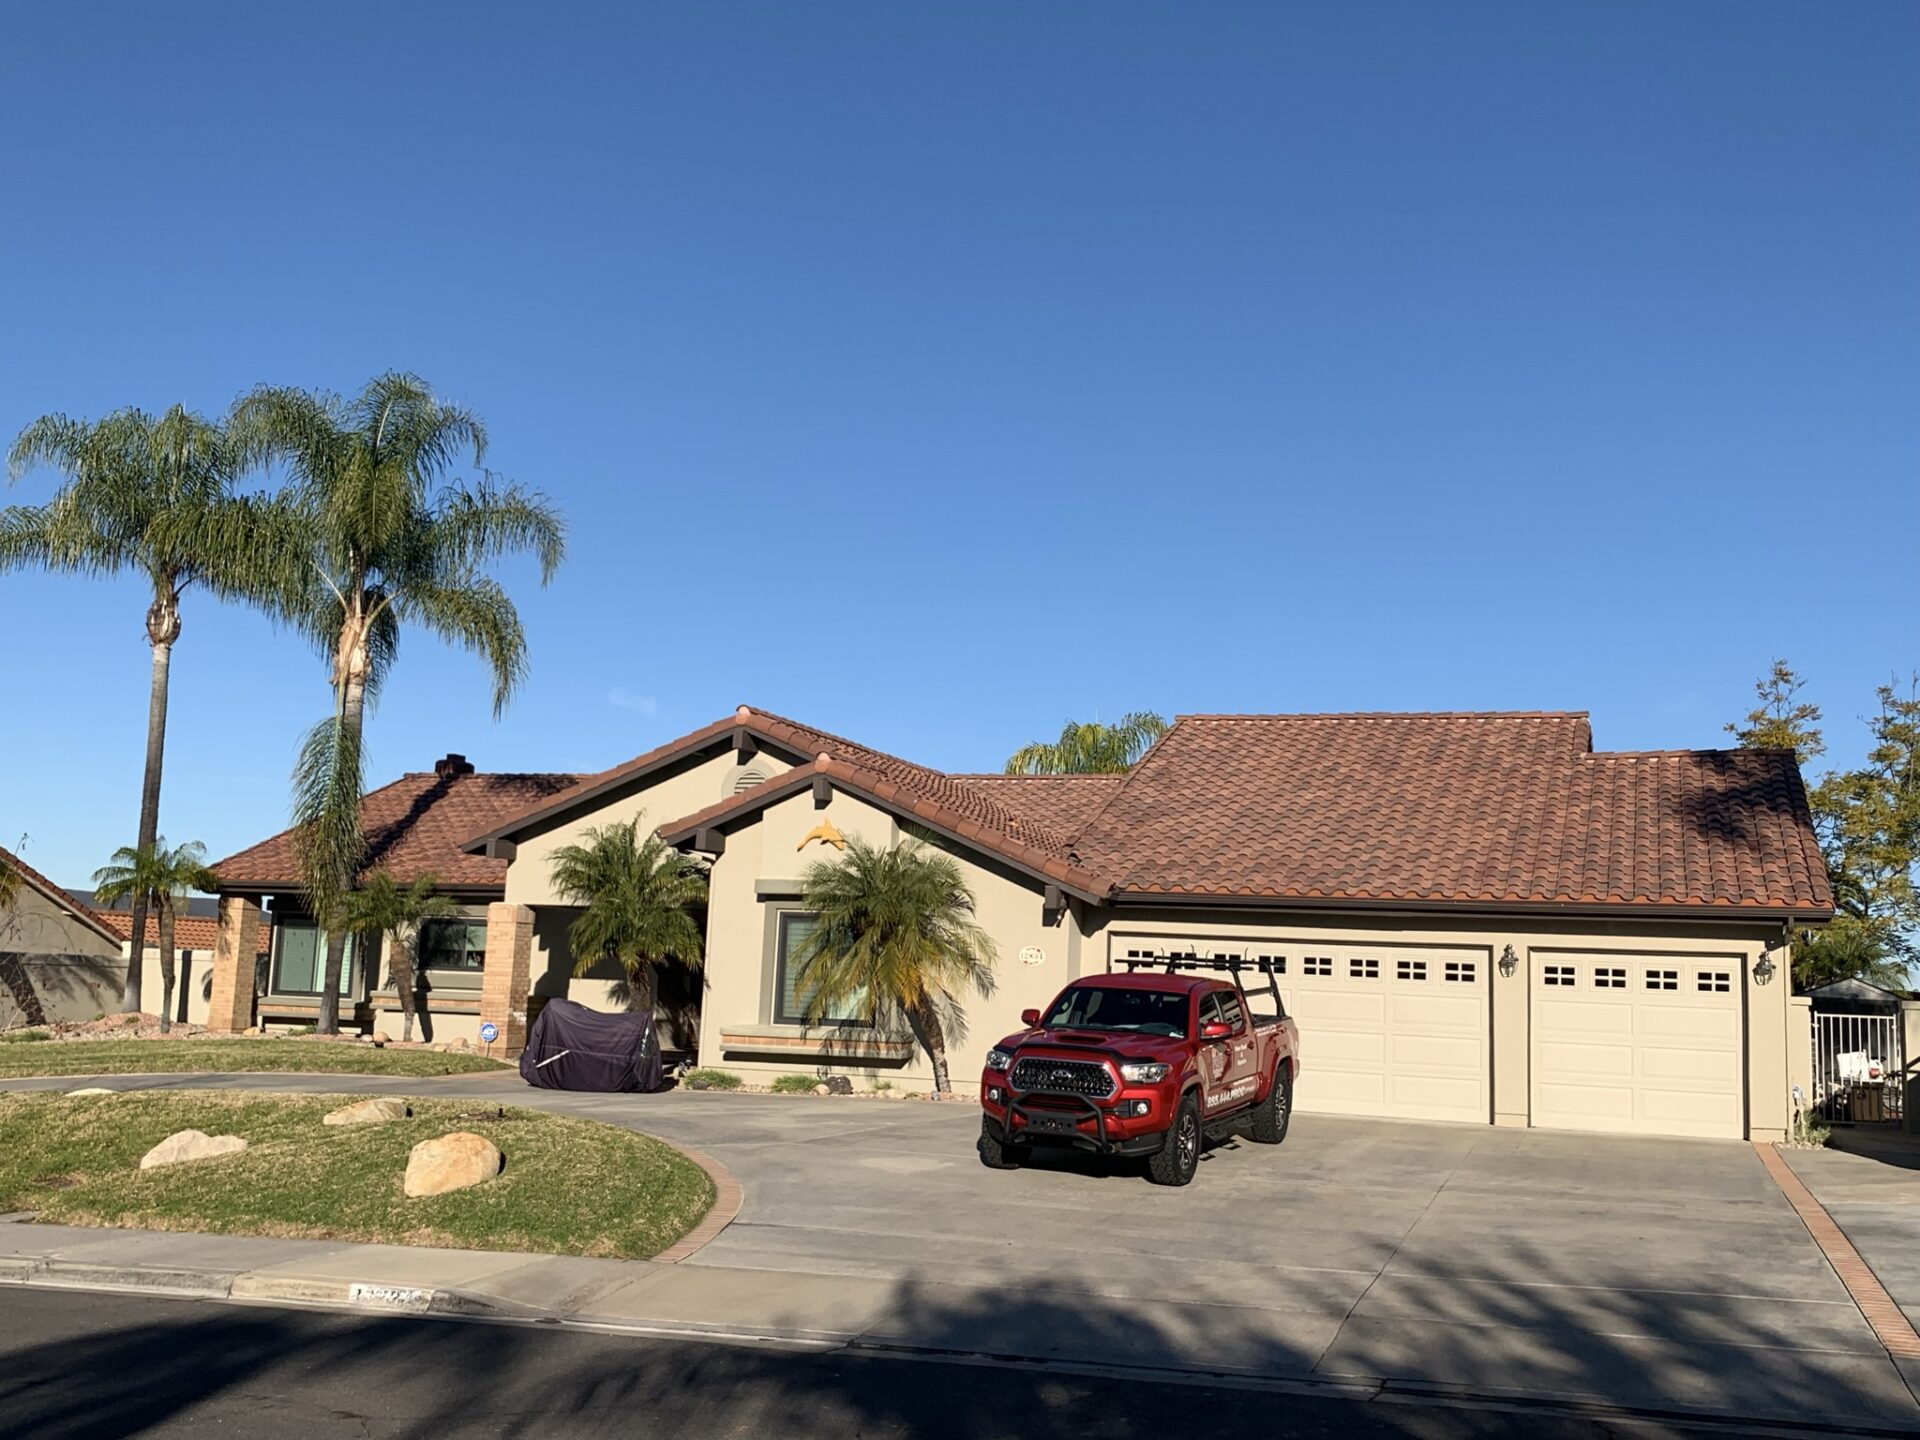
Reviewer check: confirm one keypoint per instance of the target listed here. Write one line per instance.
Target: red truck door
(1227, 1064)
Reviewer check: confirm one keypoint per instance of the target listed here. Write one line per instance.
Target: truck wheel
(1270, 1116)
(997, 1155)
(1180, 1156)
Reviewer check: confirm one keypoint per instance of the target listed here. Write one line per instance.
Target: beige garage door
(1642, 1044)
(1385, 1030)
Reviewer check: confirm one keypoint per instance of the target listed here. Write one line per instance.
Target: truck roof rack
(1174, 961)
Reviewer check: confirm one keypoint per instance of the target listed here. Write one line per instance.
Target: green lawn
(152, 1057)
(570, 1187)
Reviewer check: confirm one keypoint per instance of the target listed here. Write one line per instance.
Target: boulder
(821, 1089)
(452, 1162)
(91, 1090)
(368, 1112)
(185, 1145)
(381, 1039)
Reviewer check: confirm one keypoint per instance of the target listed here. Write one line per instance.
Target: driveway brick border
(1889, 1322)
(727, 1199)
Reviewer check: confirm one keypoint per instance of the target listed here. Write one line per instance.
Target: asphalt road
(87, 1364)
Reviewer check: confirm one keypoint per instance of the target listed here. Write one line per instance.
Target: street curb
(727, 1200)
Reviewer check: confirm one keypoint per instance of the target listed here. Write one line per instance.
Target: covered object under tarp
(574, 1048)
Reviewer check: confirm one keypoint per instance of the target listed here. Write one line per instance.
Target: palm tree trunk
(646, 992)
(166, 965)
(163, 628)
(353, 704)
(925, 1024)
(402, 966)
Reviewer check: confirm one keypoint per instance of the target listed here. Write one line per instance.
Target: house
(58, 961)
(1474, 917)
(193, 942)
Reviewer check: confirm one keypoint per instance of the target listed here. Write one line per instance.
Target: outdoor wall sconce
(1763, 969)
(1509, 962)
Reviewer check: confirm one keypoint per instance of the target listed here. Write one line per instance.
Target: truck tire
(1179, 1157)
(997, 1155)
(1271, 1115)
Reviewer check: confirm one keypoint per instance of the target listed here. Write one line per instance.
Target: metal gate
(1857, 1068)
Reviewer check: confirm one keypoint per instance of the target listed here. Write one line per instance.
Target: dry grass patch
(571, 1187)
(229, 1056)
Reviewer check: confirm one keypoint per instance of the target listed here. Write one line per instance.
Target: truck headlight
(1000, 1060)
(1143, 1072)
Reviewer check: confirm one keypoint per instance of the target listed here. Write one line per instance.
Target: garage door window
(1663, 979)
(1411, 970)
(1460, 971)
(1363, 969)
(1557, 975)
(1277, 964)
(1715, 981)
(1609, 977)
(1317, 965)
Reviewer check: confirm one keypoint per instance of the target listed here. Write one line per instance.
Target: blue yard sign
(489, 1033)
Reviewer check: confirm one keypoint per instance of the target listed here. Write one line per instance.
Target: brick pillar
(507, 977)
(230, 1007)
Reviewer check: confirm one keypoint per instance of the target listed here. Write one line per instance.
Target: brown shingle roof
(52, 892)
(1454, 808)
(413, 827)
(190, 932)
(1062, 803)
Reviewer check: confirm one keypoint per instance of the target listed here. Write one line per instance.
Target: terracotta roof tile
(413, 827)
(1456, 808)
(1062, 803)
(190, 932)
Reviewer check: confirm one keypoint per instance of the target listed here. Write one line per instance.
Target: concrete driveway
(1648, 1273)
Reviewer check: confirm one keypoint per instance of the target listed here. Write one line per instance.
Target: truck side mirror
(1215, 1030)
(1030, 1018)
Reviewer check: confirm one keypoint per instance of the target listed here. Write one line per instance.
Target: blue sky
(934, 373)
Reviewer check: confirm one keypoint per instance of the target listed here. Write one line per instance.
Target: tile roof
(1062, 803)
(1454, 808)
(190, 932)
(413, 827)
(34, 880)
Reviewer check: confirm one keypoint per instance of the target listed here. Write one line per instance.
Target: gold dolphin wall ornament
(826, 833)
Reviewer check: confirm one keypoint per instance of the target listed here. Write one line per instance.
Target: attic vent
(449, 766)
(746, 780)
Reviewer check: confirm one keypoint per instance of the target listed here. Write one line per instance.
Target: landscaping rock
(821, 1089)
(381, 1039)
(91, 1090)
(839, 1085)
(452, 1162)
(185, 1145)
(368, 1112)
(698, 1085)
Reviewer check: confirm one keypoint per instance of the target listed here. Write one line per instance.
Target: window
(1091, 1006)
(1558, 975)
(300, 960)
(1714, 981)
(1608, 977)
(451, 944)
(790, 997)
(1231, 1011)
(1663, 979)
(1317, 965)
(1411, 969)
(1276, 964)
(1363, 969)
(1460, 970)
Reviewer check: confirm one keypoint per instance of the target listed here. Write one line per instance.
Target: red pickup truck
(1144, 1064)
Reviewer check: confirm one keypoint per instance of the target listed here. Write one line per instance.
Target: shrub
(705, 1079)
(23, 1037)
(881, 1085)
(794, 1084)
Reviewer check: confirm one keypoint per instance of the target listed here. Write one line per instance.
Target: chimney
(451, 767)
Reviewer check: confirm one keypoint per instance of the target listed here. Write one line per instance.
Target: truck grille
(1063, 1077)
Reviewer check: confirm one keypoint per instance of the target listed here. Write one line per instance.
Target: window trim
(348, 974)
(470, 922)
(779, 916)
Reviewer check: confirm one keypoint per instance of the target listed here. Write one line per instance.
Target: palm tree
(389, 541)
(381, 907)
(1090, 748)
(157, 877)
(639, 896)
(895, 935)
(1847, 949)
(149, 495)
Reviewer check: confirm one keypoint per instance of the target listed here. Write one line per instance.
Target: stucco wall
(73, 970)
(760, 872)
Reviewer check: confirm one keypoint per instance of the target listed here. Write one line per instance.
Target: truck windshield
(1150, 1012)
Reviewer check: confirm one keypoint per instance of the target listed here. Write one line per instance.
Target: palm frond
(492, 519)
(475, 615)
(1090, 748)
(328, 843)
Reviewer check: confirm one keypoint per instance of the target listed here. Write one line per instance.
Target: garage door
(1642, 1044)
(1384, 1030)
